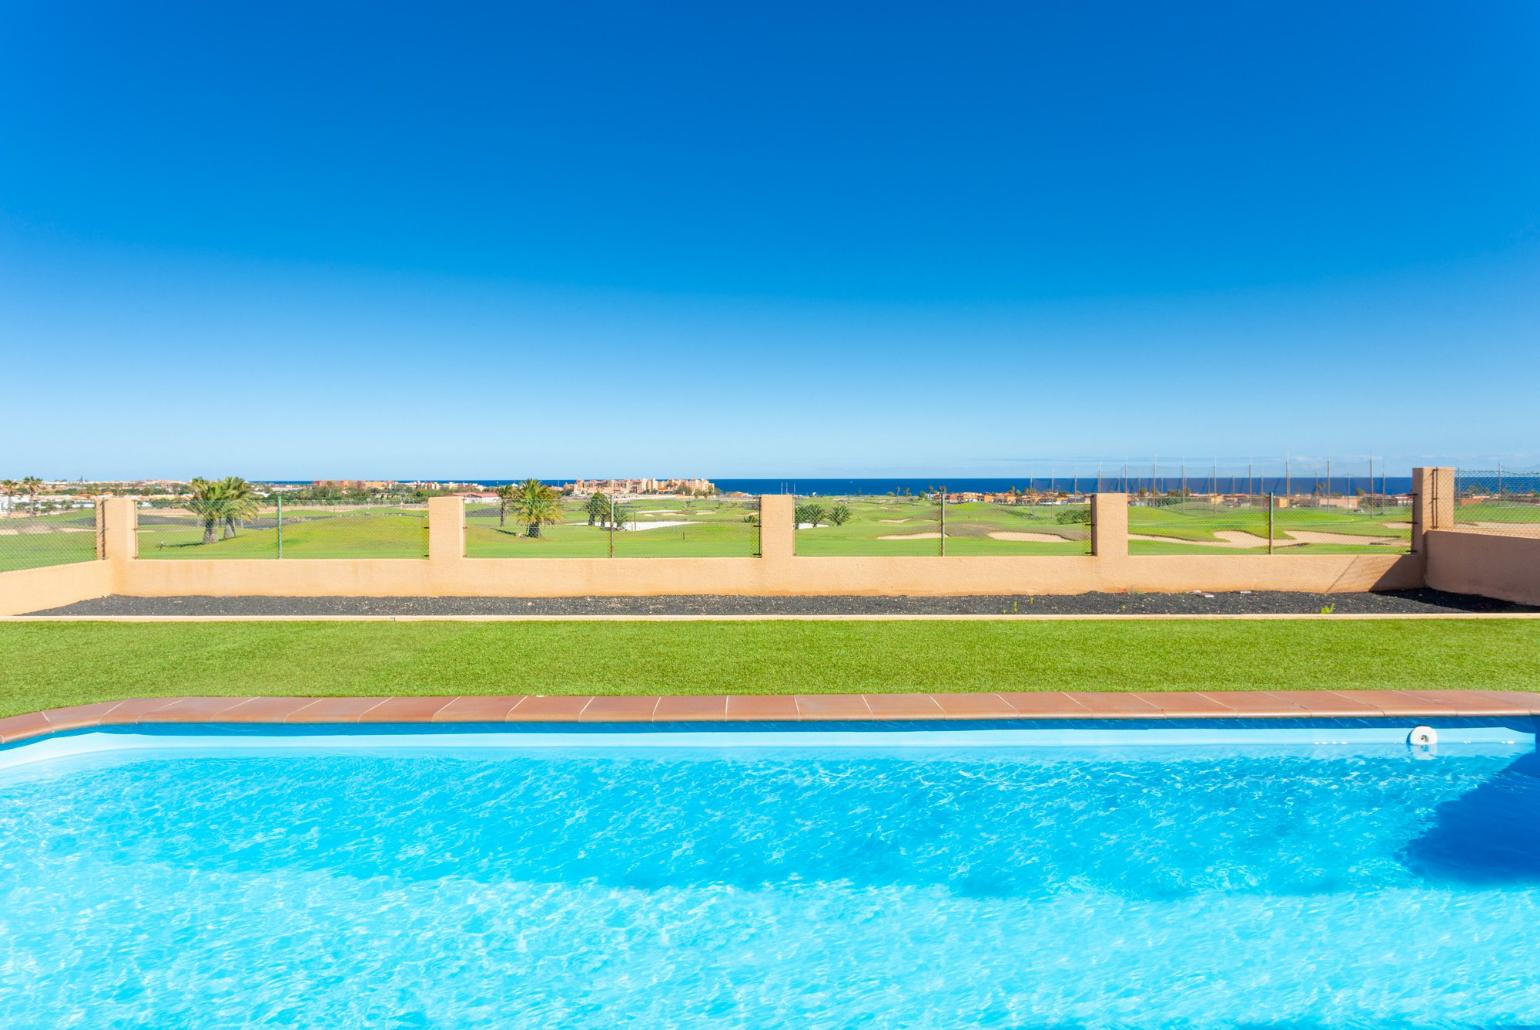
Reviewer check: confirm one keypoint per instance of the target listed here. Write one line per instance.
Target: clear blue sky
(456, 240)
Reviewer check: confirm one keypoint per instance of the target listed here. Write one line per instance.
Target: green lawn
(1185, 527)
(911, 526)
(714, 528)
(61, 538)
(308, 532)
(51, 664)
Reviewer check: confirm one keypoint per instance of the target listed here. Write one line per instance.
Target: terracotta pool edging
(810, 617)
(664, 709)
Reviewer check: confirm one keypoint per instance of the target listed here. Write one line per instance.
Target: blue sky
(295, 241)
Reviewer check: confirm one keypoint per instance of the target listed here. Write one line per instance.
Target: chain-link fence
(532, 524)
(1246, 523)
(1498, 501)
(277, 528)
(37, 532)
(864, 525)
(1290, 506)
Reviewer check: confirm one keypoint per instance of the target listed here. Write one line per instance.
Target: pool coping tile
(478, 708)
(691, 708)
(190, 709)
(405, 709)
(1048, 704)
(620, 708)
(832, 706)
(335, 709)
(902, 706)
(1256, 703)
(761, 708)
(549, 708)
(974, 706)
(267, 709)
(636, 708)
(1184, 704)
(1115, 705)
(20, 727)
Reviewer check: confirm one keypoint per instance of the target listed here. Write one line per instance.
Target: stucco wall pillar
(446, 529)
(777, 527)
(119, 529)
(1109, 525)
(1432, 503)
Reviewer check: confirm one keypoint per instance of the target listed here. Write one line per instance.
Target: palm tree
(809, 514)
(505, 498)
(7, 490)
(536, 505)
(31, 486)
(240, 503)
(221, 502)
(206, 503)
(598, 509)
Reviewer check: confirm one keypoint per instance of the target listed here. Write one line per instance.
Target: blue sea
(1108, 482)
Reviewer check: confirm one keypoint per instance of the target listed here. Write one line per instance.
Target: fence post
(777, 526)
(446, 528)
(1109, 525)
(941, 508)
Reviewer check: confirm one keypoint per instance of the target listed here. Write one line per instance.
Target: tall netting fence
(1032, 521)
(36, 532)
(898, 523)
(532, 523)
(275, 527)
(1299, 508)
(1498, 501)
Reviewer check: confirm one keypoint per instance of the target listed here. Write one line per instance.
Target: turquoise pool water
(731, 885)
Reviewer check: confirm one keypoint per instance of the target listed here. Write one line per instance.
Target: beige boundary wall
(1443, 557)
(1505, 567)
(448, 573)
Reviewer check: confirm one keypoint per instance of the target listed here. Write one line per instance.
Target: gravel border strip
(1261, 602)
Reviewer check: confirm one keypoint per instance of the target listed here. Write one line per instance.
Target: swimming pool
(766, 875)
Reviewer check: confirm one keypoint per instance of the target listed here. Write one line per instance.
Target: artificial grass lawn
(44, 665)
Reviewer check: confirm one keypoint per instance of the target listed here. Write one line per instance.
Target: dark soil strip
(1239, 603)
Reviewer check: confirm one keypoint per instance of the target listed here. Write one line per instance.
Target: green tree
(809, 514)
(240, 503)
(32, 486)
(207, 503)
(8, 490)
(536, 505)
(839, 514)
(505, 498)
(598, 509)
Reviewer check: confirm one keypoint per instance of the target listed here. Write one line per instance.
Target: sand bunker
(1306, 536)
(637, 527)
(1235, 539)
(661, 511)
(911, 536)
(1229, 538)
(1034, 538)
(892, 522)
(14, 531)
